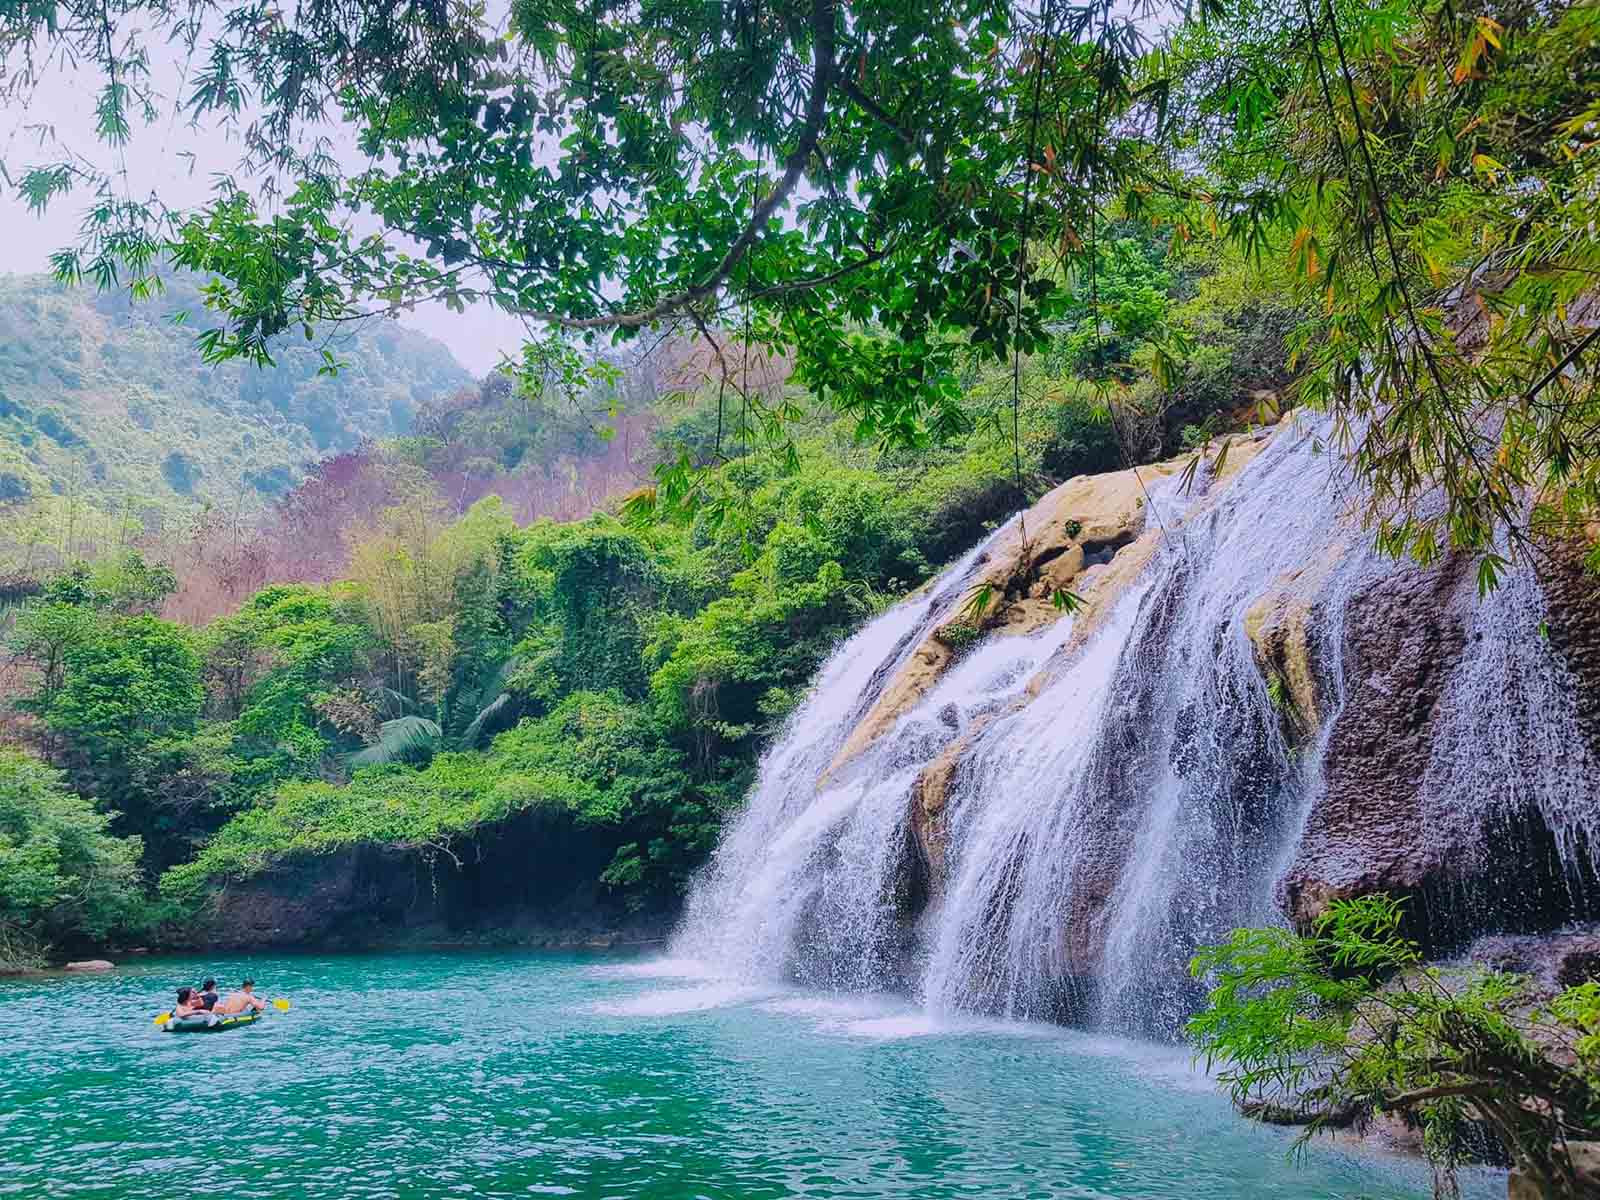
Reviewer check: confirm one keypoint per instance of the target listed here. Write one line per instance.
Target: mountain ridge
(109, 400)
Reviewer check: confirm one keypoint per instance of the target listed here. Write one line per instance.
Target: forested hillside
(109, 414)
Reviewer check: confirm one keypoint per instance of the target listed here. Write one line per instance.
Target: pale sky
(157, 160)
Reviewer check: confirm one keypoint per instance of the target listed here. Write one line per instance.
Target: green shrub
(596, 758)
(1081, 441)
(959, 635)
(1348, 1020)
(62, 876)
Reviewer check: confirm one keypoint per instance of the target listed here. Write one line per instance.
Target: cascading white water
(798, 835)
(1142, 798)
(1510, 747)
(1163, 793)
(1016, 841)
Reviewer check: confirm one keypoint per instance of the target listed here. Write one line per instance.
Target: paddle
(163, 1018)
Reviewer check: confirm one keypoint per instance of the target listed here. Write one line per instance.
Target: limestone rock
(297, 903)
(91, 964)
(371, 896)
(930, 795)
(1455, 862)
(1087, 536)
(1280, 626)
(1367, 833)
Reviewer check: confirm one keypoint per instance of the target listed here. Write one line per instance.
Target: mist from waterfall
(1120, 798)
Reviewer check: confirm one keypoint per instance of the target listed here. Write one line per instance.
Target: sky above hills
(178, 162)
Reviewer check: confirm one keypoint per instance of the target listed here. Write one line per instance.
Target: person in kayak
(189, 1004)
(208, 995)
(244, 998)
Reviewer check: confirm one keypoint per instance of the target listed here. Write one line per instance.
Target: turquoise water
(466, 1075)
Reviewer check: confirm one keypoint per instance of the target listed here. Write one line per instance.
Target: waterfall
(1510, 755)
(1110, 802)
(770, 866)
(1015, 840)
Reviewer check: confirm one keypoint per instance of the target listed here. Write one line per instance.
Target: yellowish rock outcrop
(1048, 551)
(1279, 628)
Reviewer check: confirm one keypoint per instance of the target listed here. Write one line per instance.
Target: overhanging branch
(822, 82)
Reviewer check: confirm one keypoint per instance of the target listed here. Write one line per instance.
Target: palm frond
(473, 733)
(397, 702)
(494, 686)
(399, 739)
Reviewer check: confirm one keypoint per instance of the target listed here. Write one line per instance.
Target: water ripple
(407, 1076)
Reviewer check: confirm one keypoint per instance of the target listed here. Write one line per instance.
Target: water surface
(542, 1075)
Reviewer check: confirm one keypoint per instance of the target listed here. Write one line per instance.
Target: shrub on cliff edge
(62, 876)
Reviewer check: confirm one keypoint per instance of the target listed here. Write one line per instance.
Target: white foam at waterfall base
(668, 1002)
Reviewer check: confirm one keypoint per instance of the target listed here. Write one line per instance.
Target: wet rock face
(1281, 629)
(1585, 1162)
(1090, 537)
(1573, 595)
(1367, 833)
(530, 880)
(297, 903)
(1476, 853)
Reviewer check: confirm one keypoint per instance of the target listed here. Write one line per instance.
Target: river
(519, 1074)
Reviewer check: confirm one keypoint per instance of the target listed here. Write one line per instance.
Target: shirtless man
(245, 997)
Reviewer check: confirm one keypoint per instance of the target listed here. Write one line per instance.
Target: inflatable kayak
(210, 1022)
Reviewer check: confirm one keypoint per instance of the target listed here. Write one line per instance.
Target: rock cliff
(520, 885)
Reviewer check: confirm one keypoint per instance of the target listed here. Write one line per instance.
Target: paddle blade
(163, 1018)
(281, 1005)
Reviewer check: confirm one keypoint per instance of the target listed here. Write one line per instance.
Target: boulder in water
(90, 964)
